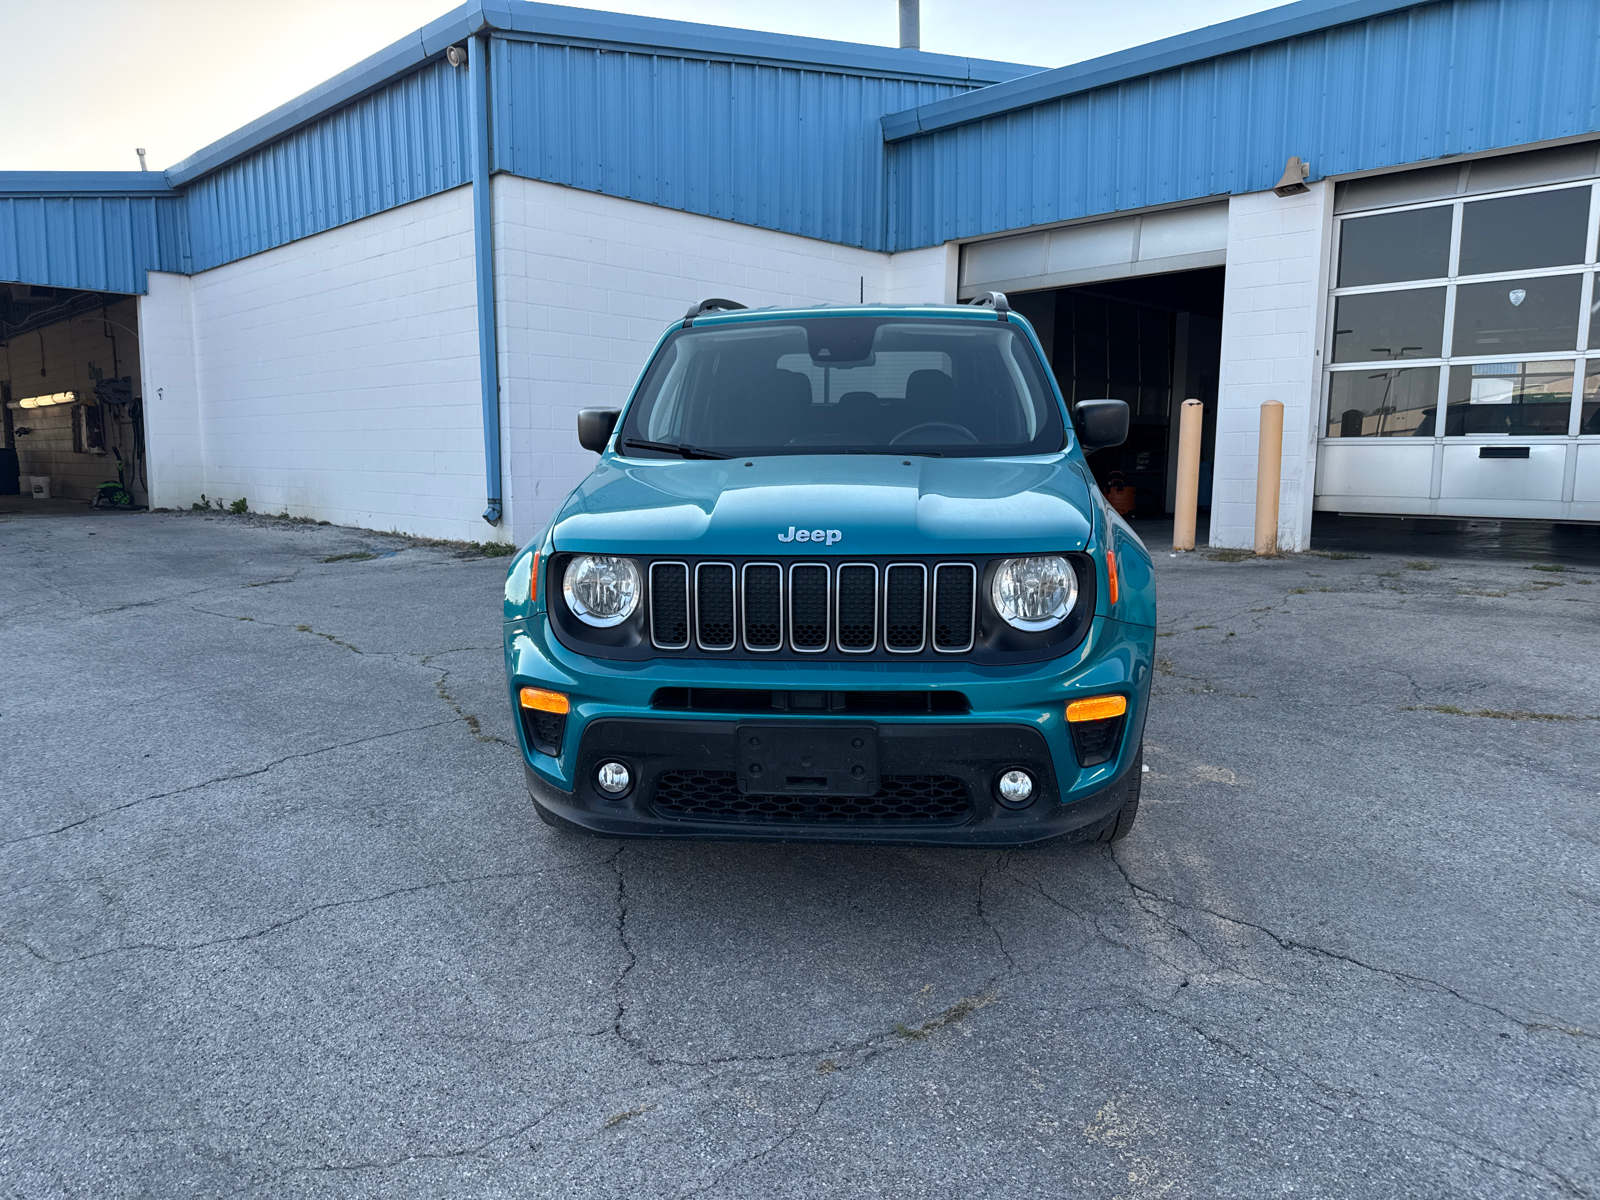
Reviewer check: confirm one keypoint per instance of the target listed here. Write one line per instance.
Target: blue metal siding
(409, 140)
(785, 148)
(1428, 82)
(99, 243)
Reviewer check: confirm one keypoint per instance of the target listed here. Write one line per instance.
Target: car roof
(912, 311)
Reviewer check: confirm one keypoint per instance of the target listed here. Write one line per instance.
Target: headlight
(1034, 593)
(601, 589)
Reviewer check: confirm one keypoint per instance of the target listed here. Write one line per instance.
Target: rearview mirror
(595, 426)
(1101, 423)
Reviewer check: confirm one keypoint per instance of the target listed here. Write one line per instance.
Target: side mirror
(595, 426)
(1101, 423)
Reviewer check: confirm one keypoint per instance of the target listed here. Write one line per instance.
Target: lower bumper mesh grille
(900, 799)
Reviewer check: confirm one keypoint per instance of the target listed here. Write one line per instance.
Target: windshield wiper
(669, 448)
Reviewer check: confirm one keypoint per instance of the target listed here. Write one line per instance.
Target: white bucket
(39, 486)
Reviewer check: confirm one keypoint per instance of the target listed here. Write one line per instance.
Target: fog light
(613, 778)
(1016, 787)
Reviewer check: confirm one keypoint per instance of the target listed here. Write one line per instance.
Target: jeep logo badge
(826, 536)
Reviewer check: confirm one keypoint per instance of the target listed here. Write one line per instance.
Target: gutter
(483, 255)
(85, 183)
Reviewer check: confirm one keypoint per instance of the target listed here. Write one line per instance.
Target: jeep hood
(878, 505)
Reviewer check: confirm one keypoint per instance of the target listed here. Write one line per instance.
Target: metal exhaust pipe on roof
(910, 25)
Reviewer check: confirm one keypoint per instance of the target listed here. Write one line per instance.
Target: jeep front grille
(810, 607)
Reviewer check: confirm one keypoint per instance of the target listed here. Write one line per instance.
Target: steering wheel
(961, 432)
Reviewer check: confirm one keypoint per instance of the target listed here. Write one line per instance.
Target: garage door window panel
(1383, 326)
(1395, 403)
(1525, 398)
(1517, 316)
(1589, 412)
(1393, 247)
(1521, 233)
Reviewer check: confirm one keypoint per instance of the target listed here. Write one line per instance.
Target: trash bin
(39, 485)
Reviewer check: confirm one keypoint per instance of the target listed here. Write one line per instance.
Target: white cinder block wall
(1272, 316)
(586, 284)
(335, 377)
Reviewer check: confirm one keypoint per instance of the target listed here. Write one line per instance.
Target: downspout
(483, 253)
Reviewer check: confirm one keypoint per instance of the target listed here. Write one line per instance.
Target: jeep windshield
(956, 388)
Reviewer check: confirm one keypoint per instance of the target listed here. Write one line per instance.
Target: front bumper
(936, 788)
(1015, 718)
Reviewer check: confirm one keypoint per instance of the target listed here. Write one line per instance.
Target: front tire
(1116, 826)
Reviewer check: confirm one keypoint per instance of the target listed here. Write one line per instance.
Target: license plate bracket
(808, 760)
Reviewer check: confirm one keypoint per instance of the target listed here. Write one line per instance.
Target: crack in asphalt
(205, 783)
(1000, 865)
(1431, 1130)
(1288, 943)
(471, 720)
(854, 1053)
(631, 960)
(795, 1131)
(420, 1156)
(272, 927)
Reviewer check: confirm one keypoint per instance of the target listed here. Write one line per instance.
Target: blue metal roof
(1243, 33)
(389, 147)
(860, 145)
(577, 26)
(1404, 84)
(796, 149)
(762, 128)
(102, 243)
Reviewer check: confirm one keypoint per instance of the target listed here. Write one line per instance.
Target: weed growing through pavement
(961, 1008)
(628, 1114)
(1452, 710)
(1422, 565)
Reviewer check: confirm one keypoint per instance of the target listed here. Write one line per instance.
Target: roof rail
(994, 300)
(715, 304)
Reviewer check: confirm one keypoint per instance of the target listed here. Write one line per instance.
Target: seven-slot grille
(811, 607)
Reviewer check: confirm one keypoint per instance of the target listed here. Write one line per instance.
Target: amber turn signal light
(1096, 708)
(1111, 573)
(542, 701)
(533, 585)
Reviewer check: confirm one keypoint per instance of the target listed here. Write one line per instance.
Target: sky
(175, 75)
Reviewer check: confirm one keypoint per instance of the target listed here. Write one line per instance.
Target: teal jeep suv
(840, 574)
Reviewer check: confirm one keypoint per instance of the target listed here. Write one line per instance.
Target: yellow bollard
(1269, 467)
(1190, 422)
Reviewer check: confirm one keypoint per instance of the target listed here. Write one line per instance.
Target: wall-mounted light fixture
(1293, 182)
(45, 401)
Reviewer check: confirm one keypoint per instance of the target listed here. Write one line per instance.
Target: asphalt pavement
(278, 919)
